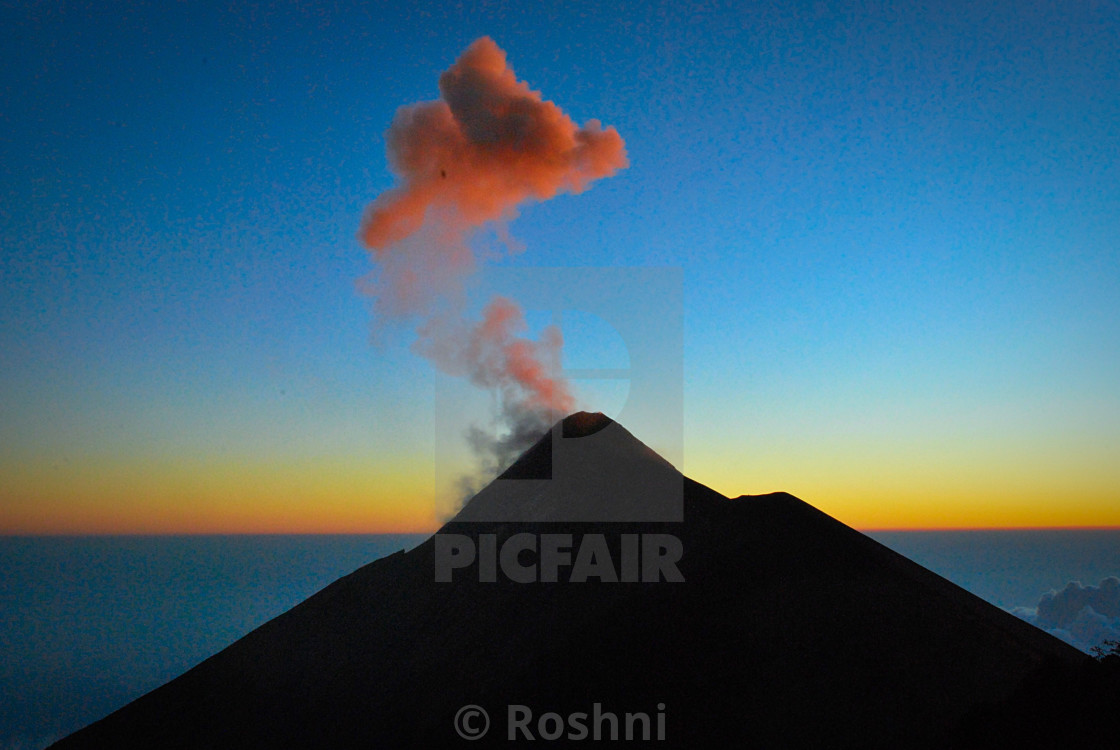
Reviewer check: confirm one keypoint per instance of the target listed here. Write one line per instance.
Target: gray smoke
(497, 447)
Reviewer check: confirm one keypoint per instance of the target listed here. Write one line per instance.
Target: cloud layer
(1082, 616)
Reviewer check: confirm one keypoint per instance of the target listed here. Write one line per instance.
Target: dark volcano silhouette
(790, 630)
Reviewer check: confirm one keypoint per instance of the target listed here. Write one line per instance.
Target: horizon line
(172, 533)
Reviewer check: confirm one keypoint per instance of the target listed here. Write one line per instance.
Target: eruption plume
(465, 161)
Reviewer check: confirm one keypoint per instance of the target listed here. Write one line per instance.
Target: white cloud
(1083, 616)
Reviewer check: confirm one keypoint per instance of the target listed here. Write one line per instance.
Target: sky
(897, 225)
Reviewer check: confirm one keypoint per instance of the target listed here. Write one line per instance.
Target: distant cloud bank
(1082, 616)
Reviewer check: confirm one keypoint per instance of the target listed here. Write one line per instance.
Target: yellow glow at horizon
(232, 497)
(897, 487)
(932, 494)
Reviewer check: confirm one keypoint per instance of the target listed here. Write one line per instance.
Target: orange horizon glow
(248, 505)
(396, 494)
(323, 496)
(412, 512)
(420, 523)
(326, 530)
(987, 528)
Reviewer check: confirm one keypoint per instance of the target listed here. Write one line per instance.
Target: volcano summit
(789, 629)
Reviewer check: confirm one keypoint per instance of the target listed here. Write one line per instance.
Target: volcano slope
(789, 629)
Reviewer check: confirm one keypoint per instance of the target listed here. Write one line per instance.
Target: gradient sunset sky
(898, 225)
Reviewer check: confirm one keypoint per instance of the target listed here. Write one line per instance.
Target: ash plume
(466, 162)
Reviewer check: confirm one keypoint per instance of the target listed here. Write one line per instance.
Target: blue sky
(899, 227)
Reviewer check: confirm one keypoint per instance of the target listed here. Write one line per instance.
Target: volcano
(789, 629)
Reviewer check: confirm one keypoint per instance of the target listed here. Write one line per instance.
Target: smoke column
(462, 162)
